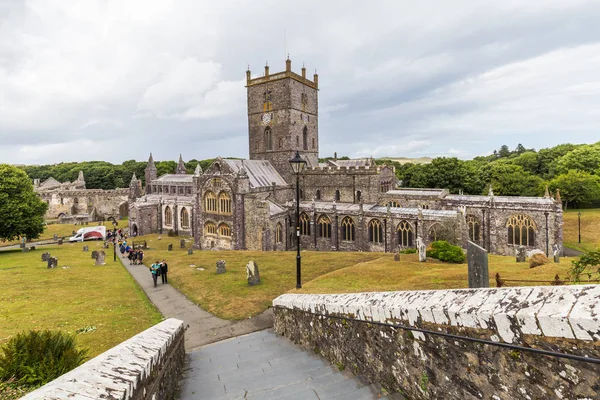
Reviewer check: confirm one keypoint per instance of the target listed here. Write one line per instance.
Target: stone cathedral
(346, 205)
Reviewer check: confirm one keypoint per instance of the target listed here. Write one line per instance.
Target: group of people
(159, 269)
(116, 234)
(136, 257)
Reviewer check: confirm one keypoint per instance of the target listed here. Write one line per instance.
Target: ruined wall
(71, 202)
(147, 366)
(422, 365)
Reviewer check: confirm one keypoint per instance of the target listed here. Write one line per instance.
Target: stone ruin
(252, 273)
(221, 267)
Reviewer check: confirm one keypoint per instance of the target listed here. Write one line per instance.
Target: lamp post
(115, 223)
(579, 225)
(298, 164)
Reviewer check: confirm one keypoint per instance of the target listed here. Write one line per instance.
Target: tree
(504, 151)
(511, 180)
(584, 158)
(577, 188)
(21, 210)
(547, 156)
(520, 149)
(528, 160)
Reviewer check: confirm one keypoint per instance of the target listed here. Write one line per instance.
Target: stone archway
(134, 230)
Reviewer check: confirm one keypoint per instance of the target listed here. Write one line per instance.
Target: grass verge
(590, 229)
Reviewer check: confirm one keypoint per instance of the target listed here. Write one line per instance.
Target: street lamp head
(298, 163)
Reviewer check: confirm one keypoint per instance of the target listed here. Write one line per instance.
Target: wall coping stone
(570, 312)
(116, 373)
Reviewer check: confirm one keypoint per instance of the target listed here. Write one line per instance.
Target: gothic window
(185, 218)
(148, 189)
(224, 203)
(324, 226)
(304, 99)
(348, 229)
(301, 194)
(160, 189)
(281, 143)
(385, 186)
(278, 233)
(210, 202)
(268, 139)
(304, 224)
(425, 206)
(313, 143)
(473, 225)
(305, 138)
(224, 230)
(521, 230)
(168, 216)
(216, 182)
(434, 232)
(210, 228)
(318, 194)
(393, 203)
(358, 195)
(188, 190)
(405, 234)
(337, 195)
(375, 231)
(180, 189)
(297, 141)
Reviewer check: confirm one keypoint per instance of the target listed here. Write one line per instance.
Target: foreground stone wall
(147, 366)
(427, 366)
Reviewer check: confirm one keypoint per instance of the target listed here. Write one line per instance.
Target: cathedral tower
(283, 117)
(150, 173)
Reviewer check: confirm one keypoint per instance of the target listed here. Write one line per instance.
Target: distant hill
(406, 160)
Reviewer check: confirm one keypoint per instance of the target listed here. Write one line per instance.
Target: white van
(91, 233)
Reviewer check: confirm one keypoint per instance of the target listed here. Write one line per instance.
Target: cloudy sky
(115, 80)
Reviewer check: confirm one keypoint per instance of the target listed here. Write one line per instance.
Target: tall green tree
(21, 209)
(583, 158)
(577, 188)
(511, 180)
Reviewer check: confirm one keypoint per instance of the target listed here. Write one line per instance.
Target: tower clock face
(266, 118)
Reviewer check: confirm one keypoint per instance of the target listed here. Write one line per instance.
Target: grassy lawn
(65, 230)
(106, 297)
(590, 229)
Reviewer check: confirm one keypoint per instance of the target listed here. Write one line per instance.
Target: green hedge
(444, 251)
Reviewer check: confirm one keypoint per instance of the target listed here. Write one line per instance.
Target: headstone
(94, 254)
(221, 267)
(55, 237)
(25, 249)
(421, 249)
(145, 245)
(60, 241)
(170, 248)
(86, 248)
(31, 247)
(182, 243)
(45, 256)
(478, 266)
(556, 250)
(397, 257)
(52, 262)
(252, 273)
(190, 251)
(100, 258)
(106, 245)
(520, 253)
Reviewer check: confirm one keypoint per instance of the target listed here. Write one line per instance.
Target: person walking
(155, 269)
(164, 268)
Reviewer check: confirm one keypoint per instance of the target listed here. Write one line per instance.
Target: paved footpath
(202, 327)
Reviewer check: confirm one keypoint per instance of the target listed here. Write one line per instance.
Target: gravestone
(32, 248)
(221, 267)
(478, 266)
(60, 241)
(55, 237)
(421, 249)
(45, 256)
(86, 248)
(182, 244)
(170, 248)
(106, 245)
(145, 245)
(52, 262)
(397, 257)
(25, 249)
(190, 251)
(520, 253)
(100, 258)
(94, 254)
(556, 252)
(252, 273)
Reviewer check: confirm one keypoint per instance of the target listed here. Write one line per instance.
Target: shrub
(408, 251)
(538, 259)
(171, 233)
(585, 265)
(444, 251)
(38, 357)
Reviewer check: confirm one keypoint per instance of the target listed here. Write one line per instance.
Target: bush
(538, 259)
(444, 251)
(38, 357)
(408, 251)
(586, 265)
(171, 233)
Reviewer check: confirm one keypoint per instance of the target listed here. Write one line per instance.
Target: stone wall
(71, 202)
(147, 366)
(425, 365)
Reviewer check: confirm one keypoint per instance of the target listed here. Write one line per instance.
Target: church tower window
(268, 139)
(305, 138)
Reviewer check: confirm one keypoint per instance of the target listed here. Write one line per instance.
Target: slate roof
(418, 192)
(175, 178)
(358, 162)
(354, 208)
(261, 172)
(501, 199)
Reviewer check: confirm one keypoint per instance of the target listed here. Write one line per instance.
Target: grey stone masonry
(147, 366)
(424, 365)
(478, 266)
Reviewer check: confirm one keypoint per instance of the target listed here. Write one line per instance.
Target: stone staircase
(263, 366)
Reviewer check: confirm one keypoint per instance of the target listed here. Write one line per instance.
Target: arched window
(425, 206)
(405, 234)
(168, 216)
(297, 141)
(521, 230)
(324, 226)
(268, 139)
(435, 232)
(210, 228)
(385, 186)
(348, 229)
(304, 100)
(224, 203)
(304, 224)
(313, 143)
(185, 218)
(224, 230)
(337, 195)
(393, 203)
(358, 195)
(473, 225)
(375, 231)
(318, 194)
(210, 202)
(278, 233)
(305, 138)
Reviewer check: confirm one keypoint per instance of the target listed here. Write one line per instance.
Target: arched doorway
(134, 230)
